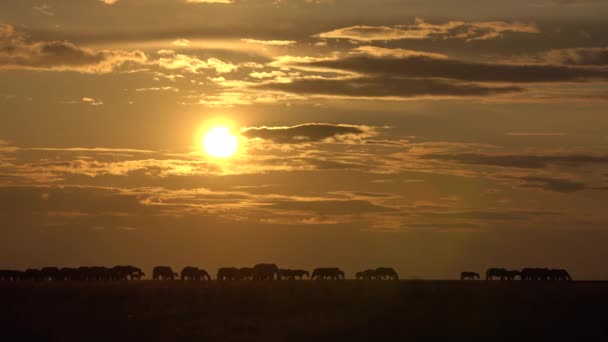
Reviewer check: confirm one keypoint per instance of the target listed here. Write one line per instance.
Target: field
(302, 311)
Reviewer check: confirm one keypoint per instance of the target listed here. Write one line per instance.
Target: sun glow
(220, 143)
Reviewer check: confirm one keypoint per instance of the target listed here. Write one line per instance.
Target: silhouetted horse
(299, 274)
(10, 275)
(510, 275)
(385, 273)
(265, 272)
(293, 274)
(492, 273)
(163, 273)
(469, 275)
(535, 274)
(245, 273)
(559, 274)
(32, 274)
(193, 273)
(125, 273)
(50, 274)
(68, 274)
(228, 273)
(327, 273)
(365, 275)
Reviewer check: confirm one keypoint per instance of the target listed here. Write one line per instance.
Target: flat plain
(302, 310)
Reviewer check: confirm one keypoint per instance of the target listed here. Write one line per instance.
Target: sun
(220, 143)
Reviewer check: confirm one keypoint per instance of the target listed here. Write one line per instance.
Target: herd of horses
(524, 274)
(119, 273)
(257, 272)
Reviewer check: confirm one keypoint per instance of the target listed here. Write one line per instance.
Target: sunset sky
(429, 136)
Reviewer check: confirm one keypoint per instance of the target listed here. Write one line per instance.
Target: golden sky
(429, 136)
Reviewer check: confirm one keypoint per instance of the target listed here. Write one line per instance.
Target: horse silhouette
(193, 273)
(385, 273)
(68, 274)
(10, 275)
(535, 273)
(228, 273)
(266, 272)
(510, 275)
(500, 273)
(469, 275)
(559, 274)
(365, 275)
(245, 273)
(126, 273)
(50, 274)
(333, 273)
(290, 274)
(32, 274)
(163, 273)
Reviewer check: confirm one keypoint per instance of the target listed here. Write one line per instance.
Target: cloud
(427, 66)
(530, 161)
(387, 87)
(311, 132)
(181, 42)
(44, 9)
(535, 134)
(380, 52)
(571, 2)
(210, 1)
(331, 207)
(17, 52)
(553, 184)
(174, 61)
(269, 42)
(597, 56)
(92, 101)
(469, 31)
(173, 89)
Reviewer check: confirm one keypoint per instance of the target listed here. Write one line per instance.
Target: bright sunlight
(220, 143)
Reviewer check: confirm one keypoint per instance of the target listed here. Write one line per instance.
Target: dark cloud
(349, 207)
(520, 161)
(81, 199)
(579, 56)
(428, 67)
(421, 29)
(553, 184)
(303, 133)
(386, 86)
(487, 215)
(17, 52)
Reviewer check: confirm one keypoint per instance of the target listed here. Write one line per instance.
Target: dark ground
(302, 311)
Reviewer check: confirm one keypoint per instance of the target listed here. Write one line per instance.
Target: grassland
(302, 310)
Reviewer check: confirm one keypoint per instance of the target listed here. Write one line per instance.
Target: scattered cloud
(596, 56)
(209, 1)
(269, 42)
(172, 89)
(532, 161)
(181, 42)
(427, 66)
(92, 101)
(421, 29)
(553, 184)
(535, 134)
(45, 9)
(304, 133)
(386, 87)
(173, 61)
(17, 52)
